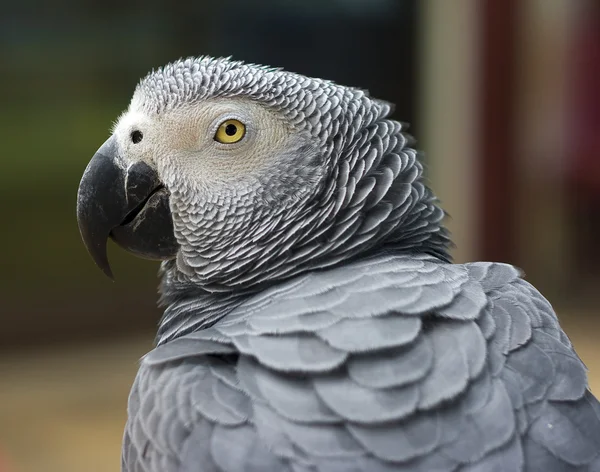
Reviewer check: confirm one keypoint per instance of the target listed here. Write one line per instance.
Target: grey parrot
(313, 318)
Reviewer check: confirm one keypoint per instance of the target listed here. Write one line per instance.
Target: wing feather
(394, 363)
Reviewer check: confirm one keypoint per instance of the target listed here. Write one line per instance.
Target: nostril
(136, 136)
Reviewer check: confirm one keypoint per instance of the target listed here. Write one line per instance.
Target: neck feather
(375, 200)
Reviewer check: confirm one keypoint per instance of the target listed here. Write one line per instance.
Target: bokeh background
(502, 95)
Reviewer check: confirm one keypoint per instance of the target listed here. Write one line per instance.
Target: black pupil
(136, 136)
(230, 129)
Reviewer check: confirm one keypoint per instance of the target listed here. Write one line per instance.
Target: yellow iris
(230, 131)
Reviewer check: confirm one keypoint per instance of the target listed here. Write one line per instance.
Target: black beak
(130, 205)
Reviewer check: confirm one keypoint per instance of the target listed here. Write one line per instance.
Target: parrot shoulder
(390, 363)
(186, 408)
(558, 419)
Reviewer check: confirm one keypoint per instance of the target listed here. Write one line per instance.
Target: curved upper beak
(130, 205)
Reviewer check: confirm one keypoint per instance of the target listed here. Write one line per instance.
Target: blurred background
(502, 95)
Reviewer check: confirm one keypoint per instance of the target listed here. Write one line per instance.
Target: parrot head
(234, 173)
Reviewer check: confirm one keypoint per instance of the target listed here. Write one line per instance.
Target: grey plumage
(493, 386)
(313, 320)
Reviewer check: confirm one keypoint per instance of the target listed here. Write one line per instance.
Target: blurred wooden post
(496, 132)
(544, 73)
(448, 72)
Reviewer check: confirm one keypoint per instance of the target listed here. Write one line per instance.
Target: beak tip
(96, 247)
(101, 261)
(108, 272)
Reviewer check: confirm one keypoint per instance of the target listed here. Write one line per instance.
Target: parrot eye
(230, 131)
(136, 136)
